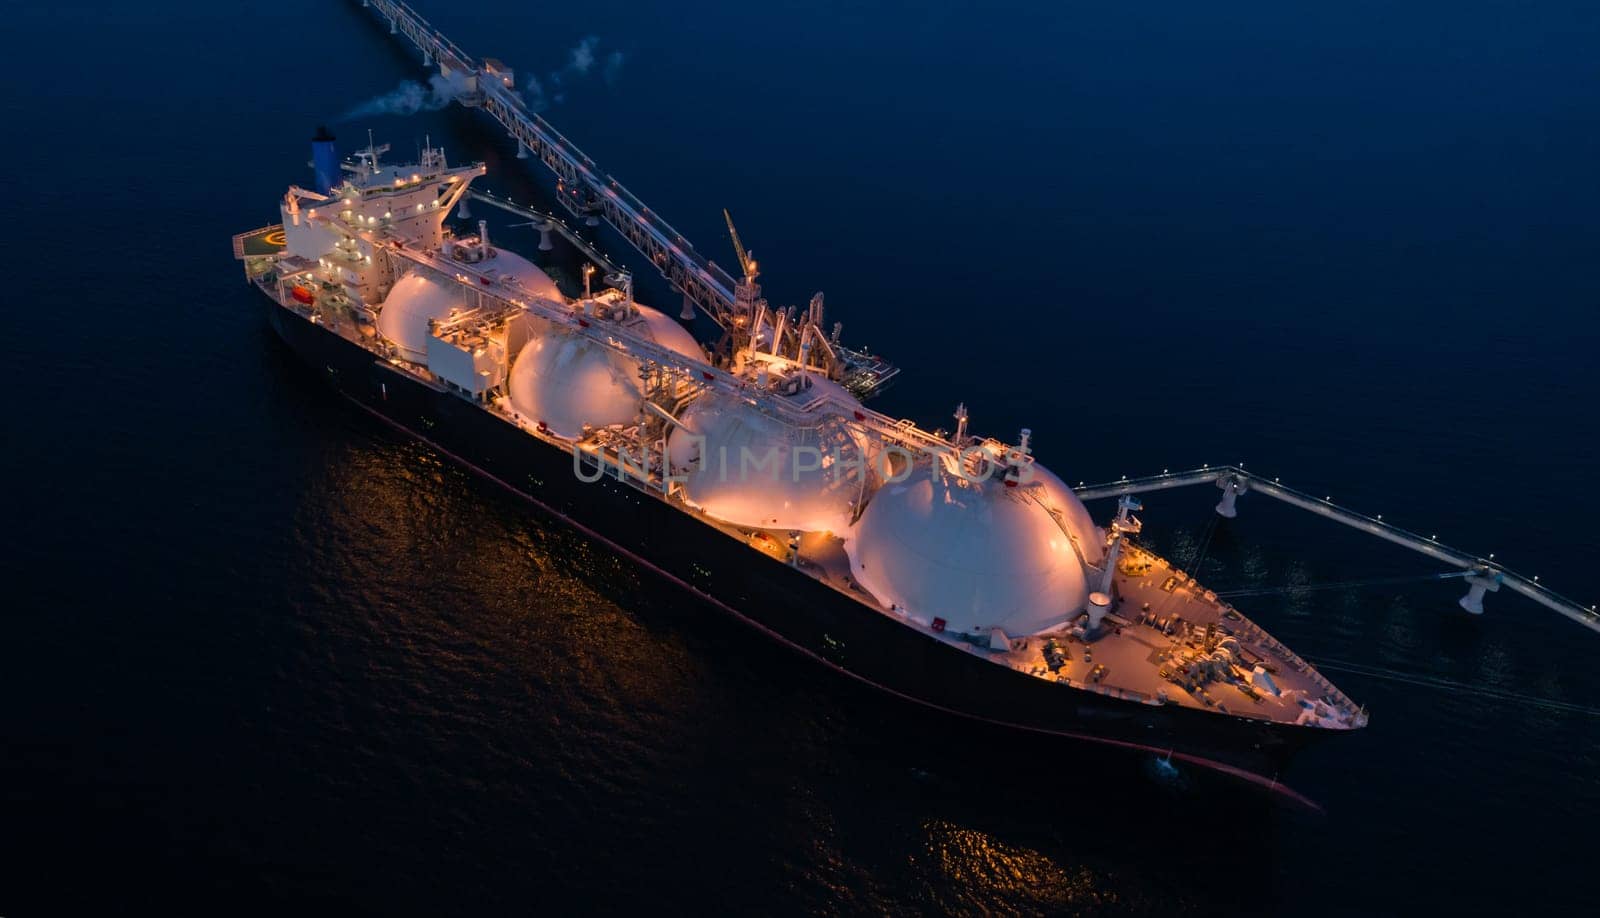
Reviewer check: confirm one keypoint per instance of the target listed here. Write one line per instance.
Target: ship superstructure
(978, 577)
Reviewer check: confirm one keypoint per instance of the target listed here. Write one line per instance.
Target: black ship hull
(780, 601)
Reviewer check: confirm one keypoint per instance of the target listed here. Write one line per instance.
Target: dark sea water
(260, 653)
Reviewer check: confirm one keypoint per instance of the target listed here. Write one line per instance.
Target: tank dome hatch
(505, 268)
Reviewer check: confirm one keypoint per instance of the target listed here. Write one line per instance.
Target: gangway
(544, 224)
(1482, 574)
(593, 196)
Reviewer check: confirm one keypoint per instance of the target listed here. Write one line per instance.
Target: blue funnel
(324, 160)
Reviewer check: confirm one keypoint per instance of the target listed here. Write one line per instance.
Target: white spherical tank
(665, 331)
(750, 469)
(975, 554)
(565, 380)
(416, 300)
(523, 273)
(1060, 499)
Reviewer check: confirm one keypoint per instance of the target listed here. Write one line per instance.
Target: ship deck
(1160, 622)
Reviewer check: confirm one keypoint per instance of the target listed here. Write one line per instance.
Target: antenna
(369, 156)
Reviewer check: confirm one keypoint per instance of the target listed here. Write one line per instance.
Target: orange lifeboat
(302, 295)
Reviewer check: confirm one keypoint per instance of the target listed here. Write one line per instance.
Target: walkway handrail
(1430, 546)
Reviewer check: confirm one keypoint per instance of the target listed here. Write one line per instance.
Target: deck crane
(747, 260)
(746, 293)
(795, 334)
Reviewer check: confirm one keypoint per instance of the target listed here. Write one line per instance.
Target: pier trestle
(1485, 575)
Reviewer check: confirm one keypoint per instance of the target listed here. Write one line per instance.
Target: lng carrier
(952, 570)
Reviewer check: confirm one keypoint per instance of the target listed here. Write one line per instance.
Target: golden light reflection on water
(992, 871)
(422, 576)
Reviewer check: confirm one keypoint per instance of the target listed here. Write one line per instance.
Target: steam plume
(411, 97)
